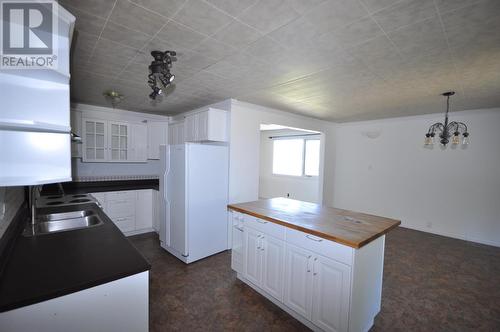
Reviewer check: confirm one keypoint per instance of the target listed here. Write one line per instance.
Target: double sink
(71, 218)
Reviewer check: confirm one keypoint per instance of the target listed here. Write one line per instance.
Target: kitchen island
(322, 265)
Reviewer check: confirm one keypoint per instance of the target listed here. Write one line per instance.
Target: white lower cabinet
(144, 209)
(264, 262)
(273, 253)
(331, 288)
(131, 210)
(253, 257)
(298, 283)
(317, 288)
(238, 247)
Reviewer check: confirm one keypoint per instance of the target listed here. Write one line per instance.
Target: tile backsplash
(11, 199)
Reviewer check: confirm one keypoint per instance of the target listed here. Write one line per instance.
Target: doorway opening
(291, 163)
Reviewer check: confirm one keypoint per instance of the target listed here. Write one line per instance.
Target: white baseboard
(452, 235)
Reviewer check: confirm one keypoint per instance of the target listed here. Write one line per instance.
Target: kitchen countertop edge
(355, 245)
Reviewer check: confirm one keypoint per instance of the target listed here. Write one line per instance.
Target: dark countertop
(52, 265)
(102, 186)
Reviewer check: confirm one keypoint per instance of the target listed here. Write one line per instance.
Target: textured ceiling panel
(338, 60)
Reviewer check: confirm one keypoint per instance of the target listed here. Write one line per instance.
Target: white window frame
(303, 157)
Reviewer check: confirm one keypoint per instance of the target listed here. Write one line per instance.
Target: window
(296, 157)
(311, 160)
(288, 156)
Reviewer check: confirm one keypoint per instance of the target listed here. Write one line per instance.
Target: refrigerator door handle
(165, 178)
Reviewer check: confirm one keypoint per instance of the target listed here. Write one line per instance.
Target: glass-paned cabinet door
(94, 143)
(120, 139)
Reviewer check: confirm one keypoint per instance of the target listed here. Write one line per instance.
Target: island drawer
(327, 248)
(265, 226)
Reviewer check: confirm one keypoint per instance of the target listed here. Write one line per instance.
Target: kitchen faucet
(34, 192)
(61, 189)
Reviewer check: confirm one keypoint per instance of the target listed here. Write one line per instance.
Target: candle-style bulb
(466, 140)
(428, 140)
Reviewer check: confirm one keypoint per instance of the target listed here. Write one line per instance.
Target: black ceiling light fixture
(447, 129)
(159, 72)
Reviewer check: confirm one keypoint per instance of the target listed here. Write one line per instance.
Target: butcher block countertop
(353, 229)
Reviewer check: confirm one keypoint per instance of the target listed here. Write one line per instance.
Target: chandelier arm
(453, 127)
(463, 126)
(459, 127)
(435, 127)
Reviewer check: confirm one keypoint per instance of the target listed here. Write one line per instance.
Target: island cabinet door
(331, 289)
(273, 265)
(238, 247)
(253, 259)
(298, 280)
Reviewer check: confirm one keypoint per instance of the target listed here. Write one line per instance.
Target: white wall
(452, 192)
(270, 185)
(245, 145)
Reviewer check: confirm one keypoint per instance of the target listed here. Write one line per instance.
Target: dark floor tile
(431, 283)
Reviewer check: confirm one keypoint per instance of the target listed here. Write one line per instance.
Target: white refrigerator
(194, 197)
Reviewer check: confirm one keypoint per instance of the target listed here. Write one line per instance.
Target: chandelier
(447, 129)
(113, 97)
(159, 72)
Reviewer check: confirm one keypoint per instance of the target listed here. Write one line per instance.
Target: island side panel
(120, 305)
(366, 294)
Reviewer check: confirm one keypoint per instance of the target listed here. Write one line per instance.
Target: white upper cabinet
(113, 141)
(139, 143)
(119, 145)
(157, 135)
(207, 126)
(94, 139)
(34, 115)
(176, 133)
(190, 128)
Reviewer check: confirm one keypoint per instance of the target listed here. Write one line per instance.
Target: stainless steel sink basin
(60, 222)
(64, 215)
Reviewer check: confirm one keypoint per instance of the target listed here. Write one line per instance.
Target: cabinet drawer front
(125, 224)
(120, 195)
(120, 208)
(321, 246)
(265, 226)
(237, 218)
